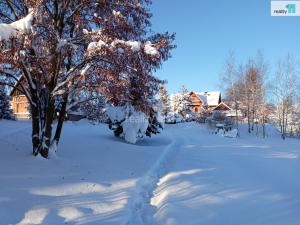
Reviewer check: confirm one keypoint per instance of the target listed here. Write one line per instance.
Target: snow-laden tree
(133, 119)
(5, 111)
(63, 47)
(284, 89)
(133, 125)
(181, 102)
(164, 100)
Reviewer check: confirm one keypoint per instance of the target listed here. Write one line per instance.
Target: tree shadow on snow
(146, 141)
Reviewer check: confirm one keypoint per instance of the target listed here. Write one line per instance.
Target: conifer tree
(5, 111)
(182, 102)
(164, 100)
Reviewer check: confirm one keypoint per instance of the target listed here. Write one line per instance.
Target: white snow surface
(185, 176)
(23, 25)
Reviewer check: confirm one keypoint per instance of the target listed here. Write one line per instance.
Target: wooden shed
(19, 102)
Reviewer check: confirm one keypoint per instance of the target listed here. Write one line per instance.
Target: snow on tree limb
(11, 30)
(150, 50)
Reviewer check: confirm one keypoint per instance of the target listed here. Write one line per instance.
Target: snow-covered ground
(221, 181)
(185, 176)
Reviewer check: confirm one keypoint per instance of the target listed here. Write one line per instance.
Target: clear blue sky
(208, 30)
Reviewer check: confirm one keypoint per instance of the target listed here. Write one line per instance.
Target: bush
(132, 125)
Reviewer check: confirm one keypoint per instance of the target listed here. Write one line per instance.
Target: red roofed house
(202, 101)
(211, 102)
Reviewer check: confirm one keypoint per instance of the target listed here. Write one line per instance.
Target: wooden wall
(20, 106)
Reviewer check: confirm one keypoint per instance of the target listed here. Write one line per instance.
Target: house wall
(196, 103)
(20, 106)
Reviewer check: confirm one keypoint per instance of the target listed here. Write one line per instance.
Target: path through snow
(141, 212)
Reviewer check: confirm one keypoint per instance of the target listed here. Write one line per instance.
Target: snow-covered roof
(210, 98)
(222, 104)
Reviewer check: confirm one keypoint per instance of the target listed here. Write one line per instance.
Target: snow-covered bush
(173, 118)
(230, 133)
(135, 126)
(132, 125)
(192, 116)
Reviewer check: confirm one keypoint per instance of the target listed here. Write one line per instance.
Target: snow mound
(230, 133)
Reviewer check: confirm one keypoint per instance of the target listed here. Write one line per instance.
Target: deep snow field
(185, 176)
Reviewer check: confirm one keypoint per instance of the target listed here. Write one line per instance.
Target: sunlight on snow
(70, 213)
(283, 155)
(69, 189)
(34, 216)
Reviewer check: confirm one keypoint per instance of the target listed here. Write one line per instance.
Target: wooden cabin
(205, 101)
(228, 111)
(197, 103)
(20, 105)
(19, 102)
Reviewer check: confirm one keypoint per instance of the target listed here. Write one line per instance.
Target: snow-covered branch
(21, 26)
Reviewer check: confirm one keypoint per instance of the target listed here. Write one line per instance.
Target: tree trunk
(283, 124)
(264, 127)
(248, 117)
(35, 130)
(253, 119)
(237, 121)
(46, 142)
(60, 120)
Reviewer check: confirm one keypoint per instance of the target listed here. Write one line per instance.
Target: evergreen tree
(164, 100)
(182, 102)
(5, 111)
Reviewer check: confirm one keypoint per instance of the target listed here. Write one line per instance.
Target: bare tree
(284, 88)
(230, 81)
